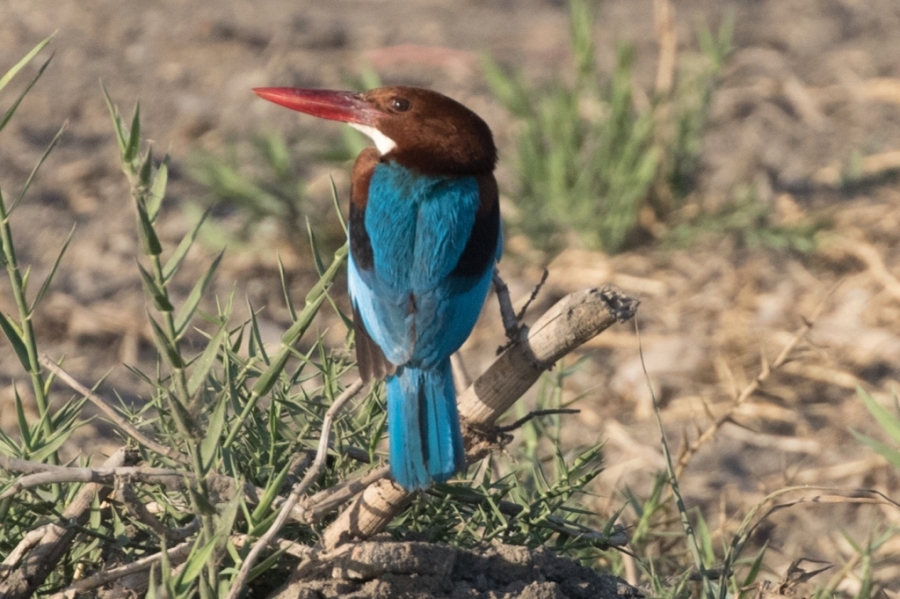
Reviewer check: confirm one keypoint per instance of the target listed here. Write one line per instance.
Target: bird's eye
(399, 104)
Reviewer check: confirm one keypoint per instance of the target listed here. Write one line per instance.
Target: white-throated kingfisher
(424, 232)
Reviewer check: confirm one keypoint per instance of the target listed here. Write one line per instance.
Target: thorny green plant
(749, 223)
(232, 408)
(227, 407)
(533, 497)
(588, 161)
(43, 439)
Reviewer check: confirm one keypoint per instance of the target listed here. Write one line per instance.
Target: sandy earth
(810, 85)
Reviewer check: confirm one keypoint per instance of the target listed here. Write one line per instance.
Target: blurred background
(732, 164)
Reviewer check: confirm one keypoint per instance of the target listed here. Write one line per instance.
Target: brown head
(418, 128)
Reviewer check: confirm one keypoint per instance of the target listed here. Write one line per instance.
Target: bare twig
(534, 414)
(31, 538)
(835, 495)
(317, 505)
(315, 559)
(112, 414)
(368, 514)
(126, 494)
(287, 546)
(325, 501)
(23, 579)
(175, 555)
(766, 371)
(507, 312)
(299, 489)
(102, 476)
(534, 293)
(569, 323)
(20, 466)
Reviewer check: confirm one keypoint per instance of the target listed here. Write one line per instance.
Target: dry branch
(325, 501)
(175, 555)
(45, 474)
(766, 371)
(532, 415)
(569, 323)
(830, 495)
(223, 486)
(299, 489)
(23, 577)
(572, 321)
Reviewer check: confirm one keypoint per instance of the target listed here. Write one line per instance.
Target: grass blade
(10, 74)
(337, 204)
(34, 171)
(160, 299)
(175, 261)
(14, 334)
(887, 421)
(46, 284)
(24, 429)
(134, 136)
(207, 359)
(209, 449)
(883, 449)
(7, 77)
(116, 119)
(165, 347)
(284, 287)
(186, 312)
(149, 239)
(195, 564)
(158, 189)
(317, 257)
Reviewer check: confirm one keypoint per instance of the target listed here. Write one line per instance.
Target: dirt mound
(416, 570)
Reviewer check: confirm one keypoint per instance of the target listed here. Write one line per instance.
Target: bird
(425, 235)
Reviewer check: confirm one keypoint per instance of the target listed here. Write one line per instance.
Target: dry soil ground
(810, 85)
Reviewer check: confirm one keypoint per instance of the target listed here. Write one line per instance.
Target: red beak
(347, 107)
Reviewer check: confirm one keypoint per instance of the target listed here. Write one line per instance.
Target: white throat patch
(384, 143)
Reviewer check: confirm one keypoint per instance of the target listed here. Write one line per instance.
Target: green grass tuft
(588, 160)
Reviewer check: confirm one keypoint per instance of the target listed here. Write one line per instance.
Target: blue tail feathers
(423, 426)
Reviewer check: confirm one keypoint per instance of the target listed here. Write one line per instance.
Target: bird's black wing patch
(360, 244)
(481, 248)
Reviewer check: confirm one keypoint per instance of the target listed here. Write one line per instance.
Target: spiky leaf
(14, 334)
(186, 312)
